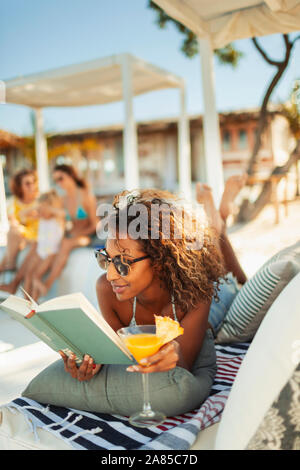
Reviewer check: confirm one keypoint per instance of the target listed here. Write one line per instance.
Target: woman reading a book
(173, 272)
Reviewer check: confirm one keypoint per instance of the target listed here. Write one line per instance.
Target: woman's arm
(58, 212)
(28, 214)
(88, 369)
(195, 324)
(182, 351)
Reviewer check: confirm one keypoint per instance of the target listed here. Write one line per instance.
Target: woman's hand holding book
(87, 368)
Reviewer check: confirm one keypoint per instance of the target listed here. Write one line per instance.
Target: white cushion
(79, 275)
(257, 295)
(206, 438)
(267, 366)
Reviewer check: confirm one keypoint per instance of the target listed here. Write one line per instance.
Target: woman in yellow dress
(22, 215)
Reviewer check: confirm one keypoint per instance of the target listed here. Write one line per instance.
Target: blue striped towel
(97, 431)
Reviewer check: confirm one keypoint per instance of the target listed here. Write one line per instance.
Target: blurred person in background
(80, 215)
(22, 216)
(50, 235)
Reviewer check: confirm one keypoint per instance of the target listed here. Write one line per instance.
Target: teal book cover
(70, 323)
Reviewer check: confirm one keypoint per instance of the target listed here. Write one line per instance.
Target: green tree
(291, 110)
(280, 66)
(229, 55)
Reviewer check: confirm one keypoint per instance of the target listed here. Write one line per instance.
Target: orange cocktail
(143, 341)
(143, 345)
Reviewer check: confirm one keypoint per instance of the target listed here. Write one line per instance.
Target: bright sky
(37, 35)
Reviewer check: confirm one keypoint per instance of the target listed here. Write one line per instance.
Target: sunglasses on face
(121, 264)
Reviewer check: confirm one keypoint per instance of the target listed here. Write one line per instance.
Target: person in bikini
(23, 222)
(79, 211)
(80, 214)
(166, 276)
(50, 235)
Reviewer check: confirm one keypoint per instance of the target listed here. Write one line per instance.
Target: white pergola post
(41, 152)
(211, 129)
(184, 149)
(3, 211)
(131, 163)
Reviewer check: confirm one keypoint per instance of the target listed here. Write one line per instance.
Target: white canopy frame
(211, 129)
(106, 80)
(3, 212)
(217, 23)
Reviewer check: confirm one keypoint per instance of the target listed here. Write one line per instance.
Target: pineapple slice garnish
(167, 329)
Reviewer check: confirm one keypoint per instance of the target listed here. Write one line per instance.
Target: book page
(79, 300)
(63, 301)
(19, 305)
(34, 304)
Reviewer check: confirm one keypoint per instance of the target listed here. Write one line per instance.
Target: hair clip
(128, 199)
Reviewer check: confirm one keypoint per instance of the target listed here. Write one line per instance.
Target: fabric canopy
(90, 83)
(101, 81)
(224, 21)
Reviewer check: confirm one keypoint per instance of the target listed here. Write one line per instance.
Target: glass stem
(146, 404)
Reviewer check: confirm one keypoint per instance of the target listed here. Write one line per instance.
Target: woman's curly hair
(182, 249)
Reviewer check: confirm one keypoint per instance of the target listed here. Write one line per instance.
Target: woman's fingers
(64, 358)
(71, 365)
(165, 359)
(167, 354)
(63, 355)
(96, 368)
(86, 370)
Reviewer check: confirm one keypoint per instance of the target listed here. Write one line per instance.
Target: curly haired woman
(173, 274)
(22, 216)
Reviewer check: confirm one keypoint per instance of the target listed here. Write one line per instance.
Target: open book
(70, 323)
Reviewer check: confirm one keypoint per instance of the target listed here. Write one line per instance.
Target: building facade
(98, 153)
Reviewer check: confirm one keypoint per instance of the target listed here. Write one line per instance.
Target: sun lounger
(269, 364)
(73, 277)
(266, 370)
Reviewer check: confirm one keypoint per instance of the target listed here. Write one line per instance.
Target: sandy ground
(260, 239)
(254, 243)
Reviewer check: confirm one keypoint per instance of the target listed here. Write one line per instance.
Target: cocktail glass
(141, 340)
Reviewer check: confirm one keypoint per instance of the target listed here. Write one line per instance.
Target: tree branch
(296, 39)
(262, 121)
(264, 55)
(286, 40)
